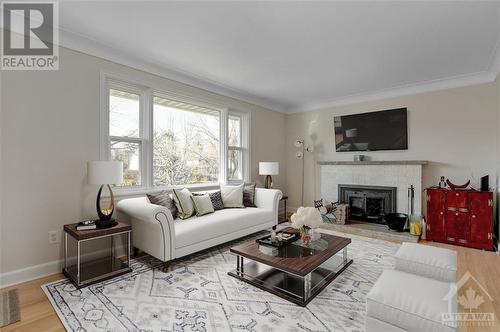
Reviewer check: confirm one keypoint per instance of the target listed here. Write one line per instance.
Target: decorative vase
(306, 235)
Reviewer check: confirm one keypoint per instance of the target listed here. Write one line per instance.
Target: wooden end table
(284, 199)
(295, 272)
(103, 267)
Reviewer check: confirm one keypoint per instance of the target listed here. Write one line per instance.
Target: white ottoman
(375, 325)
(409, 302)
(427, 261)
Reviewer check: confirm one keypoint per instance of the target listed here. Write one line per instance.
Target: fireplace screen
(368, 203)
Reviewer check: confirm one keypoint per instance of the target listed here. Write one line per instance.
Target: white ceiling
(294, 56)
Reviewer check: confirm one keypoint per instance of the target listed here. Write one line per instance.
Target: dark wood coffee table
(296, 273)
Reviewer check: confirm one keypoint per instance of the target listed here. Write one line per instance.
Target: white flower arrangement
(306, 217)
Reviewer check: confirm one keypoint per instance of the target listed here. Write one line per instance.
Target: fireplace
(368, 203)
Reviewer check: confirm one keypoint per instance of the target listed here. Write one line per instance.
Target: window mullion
(223, 146)
(147, 135)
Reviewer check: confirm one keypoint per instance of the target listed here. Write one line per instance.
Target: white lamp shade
(269, 168)
(104, 172)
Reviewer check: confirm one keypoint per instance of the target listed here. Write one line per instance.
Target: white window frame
(244, 144)
(146, 94)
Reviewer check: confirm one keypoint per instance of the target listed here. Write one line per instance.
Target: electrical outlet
(54, 237)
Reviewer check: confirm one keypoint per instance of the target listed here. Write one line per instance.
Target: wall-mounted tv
(373, 131)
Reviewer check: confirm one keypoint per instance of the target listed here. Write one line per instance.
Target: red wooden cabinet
(462, 217)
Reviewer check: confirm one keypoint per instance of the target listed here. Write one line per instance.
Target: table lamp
(105, 173)
(269, 168)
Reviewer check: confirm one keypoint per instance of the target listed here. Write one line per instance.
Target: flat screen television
(372, 131)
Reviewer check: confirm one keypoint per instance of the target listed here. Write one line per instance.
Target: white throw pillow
(202, 204)
(183, 202)
(232, 196)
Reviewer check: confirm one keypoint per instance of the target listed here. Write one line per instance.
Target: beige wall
(497, 83)
(455, 130)
(50, 128)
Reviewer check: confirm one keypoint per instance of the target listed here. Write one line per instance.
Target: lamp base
(105, 223)
(269, 182)
(105, 214)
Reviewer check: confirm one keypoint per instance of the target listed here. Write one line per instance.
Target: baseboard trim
(42, 270)
(30, 273)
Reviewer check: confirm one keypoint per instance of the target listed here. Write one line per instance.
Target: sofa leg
(136, 252)
(165, 266)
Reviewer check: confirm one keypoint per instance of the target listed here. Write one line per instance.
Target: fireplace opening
(368, 203)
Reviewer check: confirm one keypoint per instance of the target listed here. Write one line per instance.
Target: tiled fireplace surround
(399, 174)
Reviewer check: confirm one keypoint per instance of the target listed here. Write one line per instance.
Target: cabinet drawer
(457, 199)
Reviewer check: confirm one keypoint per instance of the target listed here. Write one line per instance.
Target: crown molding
(83, 44)
(398, 91)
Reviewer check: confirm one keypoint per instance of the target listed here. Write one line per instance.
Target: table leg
(239, 265)
(344, 254)
(128, 249)
(65, 251)
(78, 263)
(307, 286)
(286, 218)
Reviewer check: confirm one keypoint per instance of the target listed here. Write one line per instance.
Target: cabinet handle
(456, 214)
(457, 194)
(441, 213)
(474, 216)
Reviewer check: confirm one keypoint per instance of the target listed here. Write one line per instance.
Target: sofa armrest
(267, 198)
(153, 229)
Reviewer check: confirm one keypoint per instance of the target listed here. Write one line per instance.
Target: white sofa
(157, 233)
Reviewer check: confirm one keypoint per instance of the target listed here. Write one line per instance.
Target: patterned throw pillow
(216, 199)
(202, 204)
(163, 198)
(232, 196)
(318, 203)
(249, 195)
(184, 203)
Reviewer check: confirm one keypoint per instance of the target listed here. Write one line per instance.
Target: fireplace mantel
(396, 173)
(375, 162)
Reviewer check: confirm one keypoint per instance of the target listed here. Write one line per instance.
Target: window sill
(139, 191)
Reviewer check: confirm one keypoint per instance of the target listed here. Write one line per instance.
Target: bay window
(164, 139)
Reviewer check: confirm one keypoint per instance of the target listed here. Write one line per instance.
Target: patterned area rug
(196, 294)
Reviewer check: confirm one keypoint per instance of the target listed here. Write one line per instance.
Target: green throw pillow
(184, 203)
(232, 196)
(202, 204)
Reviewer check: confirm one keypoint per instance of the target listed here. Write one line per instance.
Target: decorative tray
(266, 240)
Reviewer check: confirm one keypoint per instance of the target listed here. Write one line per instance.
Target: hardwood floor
(37, 313)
